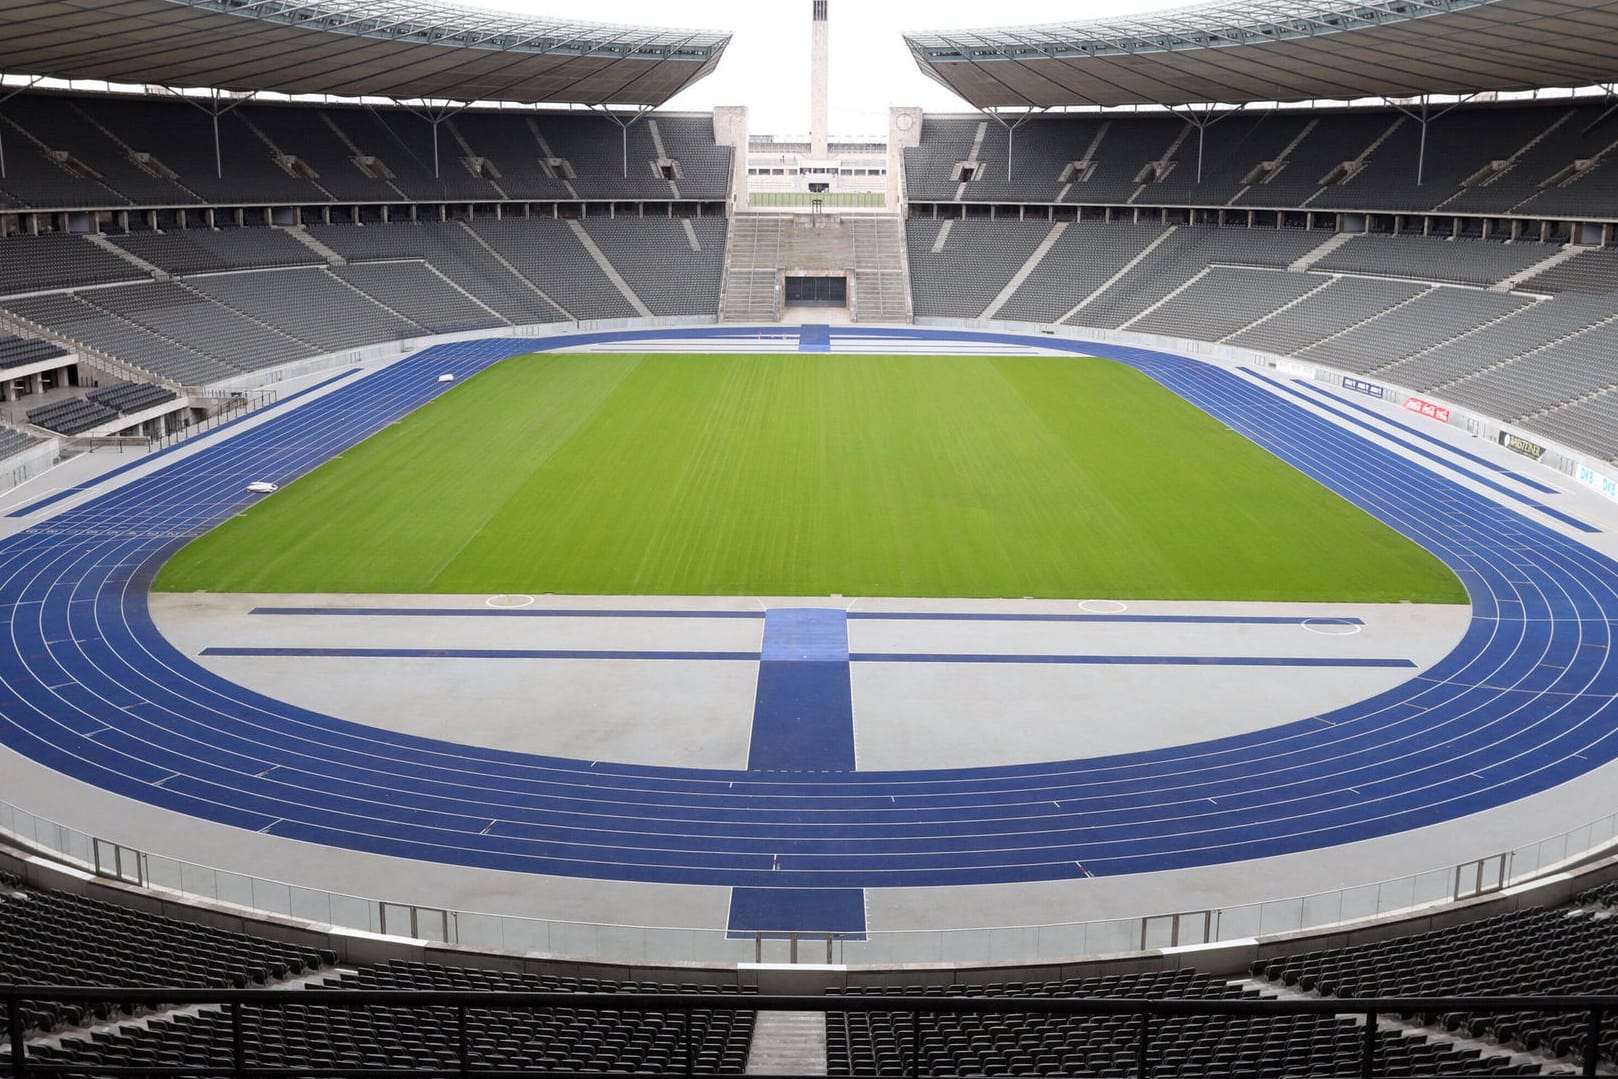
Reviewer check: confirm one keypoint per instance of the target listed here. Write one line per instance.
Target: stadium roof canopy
(353, 48)
(1281, 50)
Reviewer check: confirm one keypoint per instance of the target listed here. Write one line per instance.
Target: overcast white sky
(767, 64)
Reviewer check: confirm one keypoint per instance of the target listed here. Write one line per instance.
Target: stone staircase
(881, 285)
(764, 248)
(752, 290)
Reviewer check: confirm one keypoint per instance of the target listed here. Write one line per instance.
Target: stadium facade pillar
(819, 80)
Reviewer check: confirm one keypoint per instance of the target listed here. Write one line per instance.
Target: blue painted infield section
(814, 339)
(776, 911)
(803, 715)
(806, 633)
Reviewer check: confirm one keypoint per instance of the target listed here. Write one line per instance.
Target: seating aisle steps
(788, 1043)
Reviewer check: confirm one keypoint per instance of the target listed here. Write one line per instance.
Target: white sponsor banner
(1598, 482)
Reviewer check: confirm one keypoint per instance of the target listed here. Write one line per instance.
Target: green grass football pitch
(811, 475)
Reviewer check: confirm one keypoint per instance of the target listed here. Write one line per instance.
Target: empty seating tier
(128, 398)
(419, 293)
(1562, 951)
(1426, 258)
(39, 263)
(204, 250)
(950, 1044)
(51, 938)
(16, 351)
(572, 1037)
(13, 441)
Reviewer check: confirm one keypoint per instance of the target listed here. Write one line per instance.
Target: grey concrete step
(788, 1043)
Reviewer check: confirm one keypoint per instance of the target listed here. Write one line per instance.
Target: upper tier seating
(1560, 951)
(103, 151)
(879, 1043)
(52, 938)
(1285, 160)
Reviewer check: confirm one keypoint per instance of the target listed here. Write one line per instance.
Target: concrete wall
(730, 129)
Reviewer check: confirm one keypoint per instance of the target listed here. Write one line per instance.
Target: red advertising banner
(1427, 408)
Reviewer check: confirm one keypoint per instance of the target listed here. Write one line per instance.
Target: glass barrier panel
(311, 905)
(1238, 922)
(198, 880)
(164, 873)
(272, 898)
(1360, 902)
(1326, 909)
(1110, 936)
(234, 888)
(1430, 887)
(1395, 895)
(1282, 916)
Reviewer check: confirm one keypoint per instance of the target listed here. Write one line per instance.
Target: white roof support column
(1424, 117)
(1011, 131)
(1202, 119)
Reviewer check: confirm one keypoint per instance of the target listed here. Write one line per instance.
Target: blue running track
(88, 687)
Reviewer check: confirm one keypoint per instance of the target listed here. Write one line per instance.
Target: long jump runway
(1525, 701)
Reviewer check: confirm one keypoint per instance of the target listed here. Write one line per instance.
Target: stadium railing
(190, 882)
(1594, 1009)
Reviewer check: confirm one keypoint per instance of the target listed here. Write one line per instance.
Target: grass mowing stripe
(811, 475)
